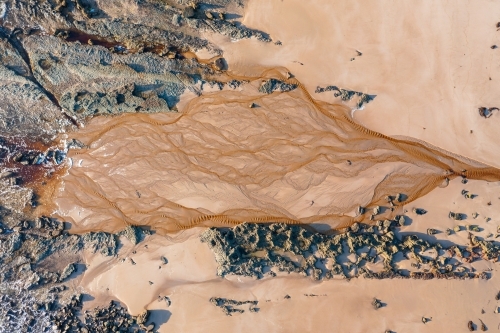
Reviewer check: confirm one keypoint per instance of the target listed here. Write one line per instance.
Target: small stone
(456, 216)
(474, 228)
(401, 220)
(431, 231)
(143, 317)
(376, 304)
(419, 211)
(219, 64)
(483, 326)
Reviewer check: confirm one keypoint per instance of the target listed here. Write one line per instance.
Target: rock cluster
(63, 61)
(113, 318)
(347, 95)
(39, 157)
(25, 247)
(256, 250)
(272, 85)
(230, 306)
(30, 275)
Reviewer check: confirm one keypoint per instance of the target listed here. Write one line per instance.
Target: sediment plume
(248, 155)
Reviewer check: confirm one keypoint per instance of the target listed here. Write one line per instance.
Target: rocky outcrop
(134, 234)
(25, 108)
(64, 61)
(231, 306)
(266, 249)
(272, 85)
(347, 95)
(89, 81)
(68, 318)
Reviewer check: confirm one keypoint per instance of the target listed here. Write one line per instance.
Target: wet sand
(189, 281)
(289, 159)
(428, 87)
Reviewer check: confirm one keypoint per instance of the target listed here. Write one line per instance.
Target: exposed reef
(63, 61)
(37, 258)
(257, 250)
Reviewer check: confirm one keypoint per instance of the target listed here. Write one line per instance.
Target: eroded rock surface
(231, 306)
(257, 250)
(25, 108)
(63, 61)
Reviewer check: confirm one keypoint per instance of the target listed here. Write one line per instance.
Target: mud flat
(250, 156)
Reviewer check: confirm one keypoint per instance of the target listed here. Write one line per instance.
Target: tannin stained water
(220, 162)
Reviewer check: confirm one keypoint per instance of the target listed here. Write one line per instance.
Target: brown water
(44, 178)
(220, 162)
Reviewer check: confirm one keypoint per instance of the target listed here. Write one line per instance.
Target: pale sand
(429, 64)
(189, 280)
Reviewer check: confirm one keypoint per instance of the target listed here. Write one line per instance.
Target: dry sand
(341, 306)
(429, 64)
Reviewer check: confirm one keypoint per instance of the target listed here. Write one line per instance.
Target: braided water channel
(236, 156)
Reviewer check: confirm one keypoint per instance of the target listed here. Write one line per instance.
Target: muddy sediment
(250, 156)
